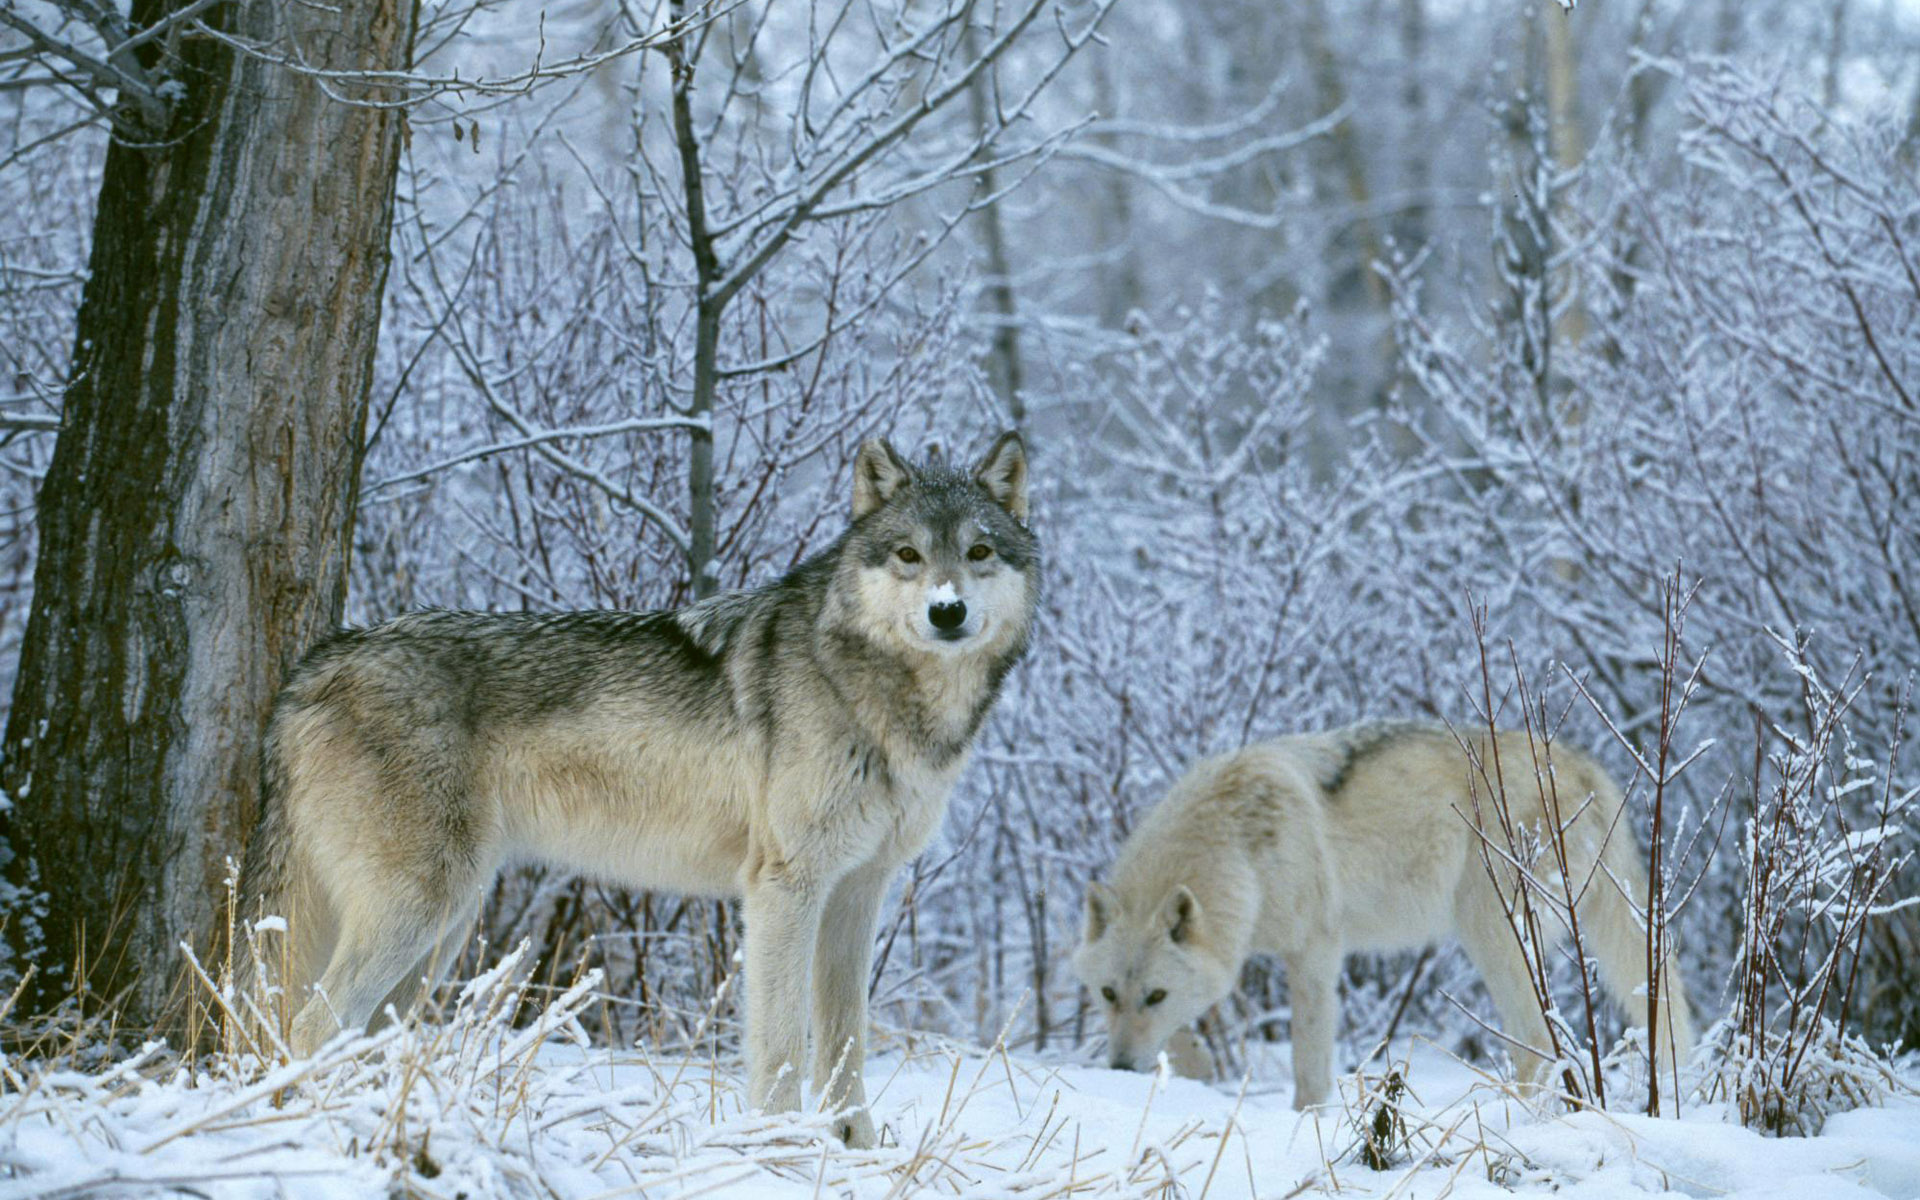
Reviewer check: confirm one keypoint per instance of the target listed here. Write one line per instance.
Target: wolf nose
(1122, 1062)
(949, 616)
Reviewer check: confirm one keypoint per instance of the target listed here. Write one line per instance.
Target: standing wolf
(792, 745)
(1358, 839)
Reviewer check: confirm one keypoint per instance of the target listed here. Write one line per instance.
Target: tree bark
(196, 518)
(1004, 368)
(1568, 137)
(1331, 93)
(1122, 289)
(1411, 227)
(710, 304)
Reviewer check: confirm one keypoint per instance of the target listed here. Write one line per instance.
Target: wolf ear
(1101, 903)
(878, 473)
(1180, 914)
(1003, 472)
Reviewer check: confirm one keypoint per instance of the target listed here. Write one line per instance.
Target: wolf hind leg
(274, 968)
(431, 968)
(375, 951)
(1618, 942)
(1489, 940)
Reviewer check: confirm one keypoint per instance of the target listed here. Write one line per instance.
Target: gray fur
(792, 745)
(1356, 743)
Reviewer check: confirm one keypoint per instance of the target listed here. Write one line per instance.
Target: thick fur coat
(791, 746)
(1360, 839)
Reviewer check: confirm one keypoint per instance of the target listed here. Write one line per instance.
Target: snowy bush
(1325, 382)
(1737, 405)
(1818, 866)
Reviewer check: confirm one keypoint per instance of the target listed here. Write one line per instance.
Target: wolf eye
(1156, 996)
(1106, 993)
(907, 554)
(981, 552)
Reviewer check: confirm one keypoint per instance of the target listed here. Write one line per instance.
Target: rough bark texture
(196, 519)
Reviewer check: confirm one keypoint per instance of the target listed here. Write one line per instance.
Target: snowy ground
(595, 1124)
(477, 1108)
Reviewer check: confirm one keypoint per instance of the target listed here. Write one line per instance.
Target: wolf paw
(856, 1130)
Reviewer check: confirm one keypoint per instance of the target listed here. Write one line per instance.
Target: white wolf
(1357, 839)
(791, 745)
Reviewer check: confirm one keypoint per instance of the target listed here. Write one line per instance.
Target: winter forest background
(1377, 358)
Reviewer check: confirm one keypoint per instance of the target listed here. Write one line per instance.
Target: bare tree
(839, 157)
(1003, 359)
(587, 398)
(194, 518)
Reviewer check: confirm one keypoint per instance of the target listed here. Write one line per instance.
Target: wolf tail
(283, 931)
(1613, 928)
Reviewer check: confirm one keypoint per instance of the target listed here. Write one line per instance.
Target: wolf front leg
(783, 919)
(842, 959)
(1313, 990)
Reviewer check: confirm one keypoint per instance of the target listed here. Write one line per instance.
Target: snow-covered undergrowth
(479, 1105)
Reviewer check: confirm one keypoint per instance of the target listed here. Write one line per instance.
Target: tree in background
(196, 514)
(1619, 335)
(640, 396)
(197, 510)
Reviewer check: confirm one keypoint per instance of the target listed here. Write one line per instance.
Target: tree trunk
(710, 305)
(1331, 93)
(1121, 288)
(1643, 91)
(196, 519)
(1836, 50)
(1569, 143)
(1004, 368)
(1726, 29)
(1411, 227)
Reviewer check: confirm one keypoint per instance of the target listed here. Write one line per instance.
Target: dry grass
(503, 1092)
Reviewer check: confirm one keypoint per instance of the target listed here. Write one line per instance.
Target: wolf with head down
(1376, 837)
(791, 746)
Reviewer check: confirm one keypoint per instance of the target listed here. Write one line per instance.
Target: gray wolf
(1358, 839)
(791, 746)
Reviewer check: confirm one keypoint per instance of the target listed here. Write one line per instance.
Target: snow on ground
(476, 1107)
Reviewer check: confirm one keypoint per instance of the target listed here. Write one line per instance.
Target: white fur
(1250, 854)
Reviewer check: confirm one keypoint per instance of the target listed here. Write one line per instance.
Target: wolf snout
(948, 616)
(1121, 1062)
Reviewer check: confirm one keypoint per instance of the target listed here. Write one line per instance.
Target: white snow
(944, 594)
(481, 1107)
